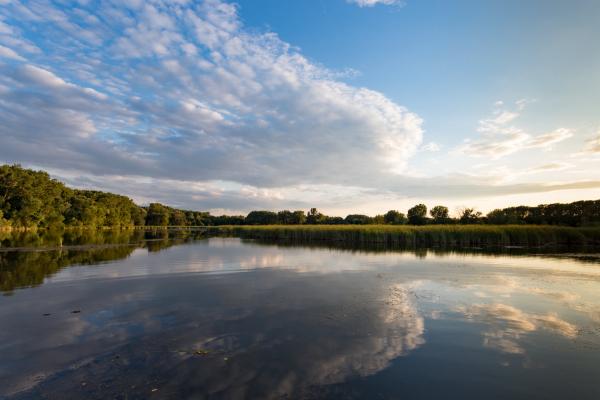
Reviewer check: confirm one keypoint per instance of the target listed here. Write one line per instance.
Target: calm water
(225, 319)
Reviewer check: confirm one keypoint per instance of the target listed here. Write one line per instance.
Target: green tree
(333, 220)
(138, 215)
(285, 217)
(358, 219)
(261, 218)
(315, 217)
(378, 219)
(497, 217)
(417, 215)
(470, 216)
(177, 218)
(31, 198)
(439, 214)
(394, 217)
(157, 215)
(298, 217)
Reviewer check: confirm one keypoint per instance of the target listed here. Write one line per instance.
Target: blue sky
(349, 106)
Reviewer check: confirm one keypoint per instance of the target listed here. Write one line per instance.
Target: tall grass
(429, 235)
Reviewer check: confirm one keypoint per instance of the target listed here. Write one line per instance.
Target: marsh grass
(429, 235)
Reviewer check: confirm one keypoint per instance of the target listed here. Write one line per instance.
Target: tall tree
(417, 215)
(439, 214)
(394, 217)
(157, 215)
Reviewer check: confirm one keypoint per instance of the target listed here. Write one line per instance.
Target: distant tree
(439, 214)
(470, 216)
(286, 217)
(157, 215)
(417, 215)
(497, 217)
(333, 221)
(315, 217)
(198, 218)
(177, 218)
(261, 218)
(394, 217)
(378, 219)
(298, 217)
(83, 211)
(32, 199)
(226, 220)
(138, 215)
(358, 219)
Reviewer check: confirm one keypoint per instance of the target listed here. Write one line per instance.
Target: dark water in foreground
(225, 319)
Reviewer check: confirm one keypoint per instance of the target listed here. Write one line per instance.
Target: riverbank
(428, 235)
(389, 236)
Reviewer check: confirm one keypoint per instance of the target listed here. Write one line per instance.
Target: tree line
(32, 199)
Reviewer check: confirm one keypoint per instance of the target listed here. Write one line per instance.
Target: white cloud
(554, 166)
(499, 137)
(371, 3)
(431, 146)
(203, 98)
(10, 53)
(593, 145)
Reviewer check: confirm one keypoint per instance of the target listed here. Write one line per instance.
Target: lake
(220, 318)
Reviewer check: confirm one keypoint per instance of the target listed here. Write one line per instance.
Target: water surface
(219, 318)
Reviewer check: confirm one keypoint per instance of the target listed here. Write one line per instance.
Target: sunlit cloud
(192, 95)
(593, 145)
(500, 137)
(555, 166)
(431, 146)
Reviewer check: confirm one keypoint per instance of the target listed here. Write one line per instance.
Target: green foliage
(226, 220)
(358, 219)
(378, 220)
(157, 215)
(286, 217)
(3, 222)
(470, 216)
(440, 215)
(31, 199)
(326, 220)
(394, 217)
(418, 215)
(579, 213)
(177, 218)
(261, 218)
(315, 217)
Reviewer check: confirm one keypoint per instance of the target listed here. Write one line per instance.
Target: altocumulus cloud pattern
(180, 90)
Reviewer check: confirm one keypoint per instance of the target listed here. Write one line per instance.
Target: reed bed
(429, 235)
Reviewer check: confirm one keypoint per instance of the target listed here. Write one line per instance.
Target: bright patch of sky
(346, 105)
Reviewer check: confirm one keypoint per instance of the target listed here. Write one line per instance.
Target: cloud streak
(499, 137)
(593, 145)
(371, 3)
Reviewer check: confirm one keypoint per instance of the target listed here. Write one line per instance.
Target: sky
(350, 106)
